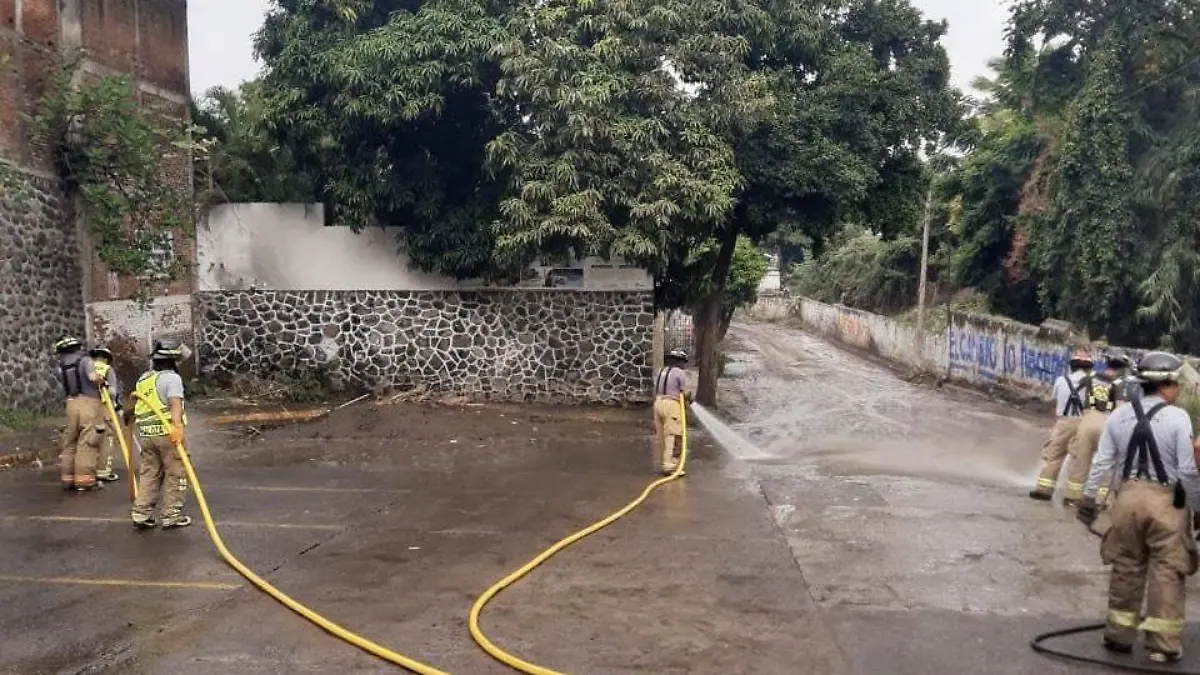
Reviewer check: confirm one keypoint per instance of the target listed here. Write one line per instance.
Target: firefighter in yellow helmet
(102, 360)
(1150, 444)
(84, 432)
(1070, 400)
(1105, 389)
(161, 471)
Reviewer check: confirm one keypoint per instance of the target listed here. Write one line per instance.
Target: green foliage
(112, 153)
(244, 163)
(18, 419)
(746, 272)
(866, 272)
(986, 192)
(392, 106)
(1089, 137)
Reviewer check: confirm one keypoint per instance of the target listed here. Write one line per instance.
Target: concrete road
(392, 520)
(905, 509)
(877, 528)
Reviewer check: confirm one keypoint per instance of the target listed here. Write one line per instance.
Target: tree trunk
(707, 323)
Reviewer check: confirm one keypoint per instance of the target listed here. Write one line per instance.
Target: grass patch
(17, 419)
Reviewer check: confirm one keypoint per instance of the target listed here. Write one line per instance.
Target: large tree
(392, 104)
(1105, 94)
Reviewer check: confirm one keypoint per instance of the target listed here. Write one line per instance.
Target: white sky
(220, 32)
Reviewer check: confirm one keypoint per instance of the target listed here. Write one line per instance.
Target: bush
(864, 272)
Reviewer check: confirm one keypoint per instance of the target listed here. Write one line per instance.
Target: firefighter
(102, 359)
(1150, 545)
(668, 417)
(82, 437)
(1070, 400)
(161, 470)
(1104, 388)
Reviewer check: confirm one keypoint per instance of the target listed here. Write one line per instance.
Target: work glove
(1086, 511)
(176, 437)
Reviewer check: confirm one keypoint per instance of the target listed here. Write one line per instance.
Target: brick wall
(41, 251)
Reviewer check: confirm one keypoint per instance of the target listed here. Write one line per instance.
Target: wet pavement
(876, 527)
(391, 521)
(905, 509)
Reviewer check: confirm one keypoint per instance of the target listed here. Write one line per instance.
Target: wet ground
(392, 520)
(873, 527)
(905, 509)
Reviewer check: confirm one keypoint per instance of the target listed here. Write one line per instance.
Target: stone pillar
(658, 355)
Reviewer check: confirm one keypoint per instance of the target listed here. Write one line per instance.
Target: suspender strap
(1074, 406)
(664, 375)
(1144, 447)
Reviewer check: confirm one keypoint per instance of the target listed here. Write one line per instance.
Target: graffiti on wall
(853, 331)
(990, 355)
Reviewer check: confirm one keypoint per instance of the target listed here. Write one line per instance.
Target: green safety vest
(148, 406)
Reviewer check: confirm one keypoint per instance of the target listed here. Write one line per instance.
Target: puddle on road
(729, 439)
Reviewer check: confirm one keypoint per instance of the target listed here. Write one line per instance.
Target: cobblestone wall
(40, 294)
(513, 345)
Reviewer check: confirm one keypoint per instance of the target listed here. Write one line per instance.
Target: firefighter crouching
(102, 360)
(1105, 388)
(668, 418)
(81, 438)
(161, 470)
(1150, 544)
(1069, 399)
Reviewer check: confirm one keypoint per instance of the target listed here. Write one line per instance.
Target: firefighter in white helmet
(668, 415)
(1149, 443)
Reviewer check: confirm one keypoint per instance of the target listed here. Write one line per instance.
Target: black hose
(1040, 648)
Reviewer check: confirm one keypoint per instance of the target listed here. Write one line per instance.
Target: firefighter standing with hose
(1070, 399)
(1150, 544)
(84, 432)
(160, 391)
(1105, 389)
(670, 384)
(102, 359)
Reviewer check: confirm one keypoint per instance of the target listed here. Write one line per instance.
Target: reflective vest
(148, 406)
(1102, 394)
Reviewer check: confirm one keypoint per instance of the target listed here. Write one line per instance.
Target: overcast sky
(222, 54)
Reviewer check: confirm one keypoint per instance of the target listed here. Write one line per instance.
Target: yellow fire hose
(515, 662)
(329, 626)
(119, 430)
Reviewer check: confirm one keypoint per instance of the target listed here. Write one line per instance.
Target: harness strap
(664, 376)
(1144, 447)
(1074, 407)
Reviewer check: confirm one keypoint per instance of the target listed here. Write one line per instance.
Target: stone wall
(511, 345)
(40, 294)
(985, 352)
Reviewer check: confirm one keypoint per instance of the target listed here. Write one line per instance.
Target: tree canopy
(490, 133)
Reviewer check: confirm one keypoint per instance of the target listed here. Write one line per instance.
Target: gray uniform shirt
(169, 386)
(86, 370)
(1172, 433)
(671, 381)
(1062, 391)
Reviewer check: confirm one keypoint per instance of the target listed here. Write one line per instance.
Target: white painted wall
(289, 247)
(129, 325)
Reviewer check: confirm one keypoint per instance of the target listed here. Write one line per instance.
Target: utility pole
(924, 268)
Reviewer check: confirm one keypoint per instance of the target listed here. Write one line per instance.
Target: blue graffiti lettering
(972, 351)
(1043, 365)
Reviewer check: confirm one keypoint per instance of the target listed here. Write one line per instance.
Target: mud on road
(391, 520)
